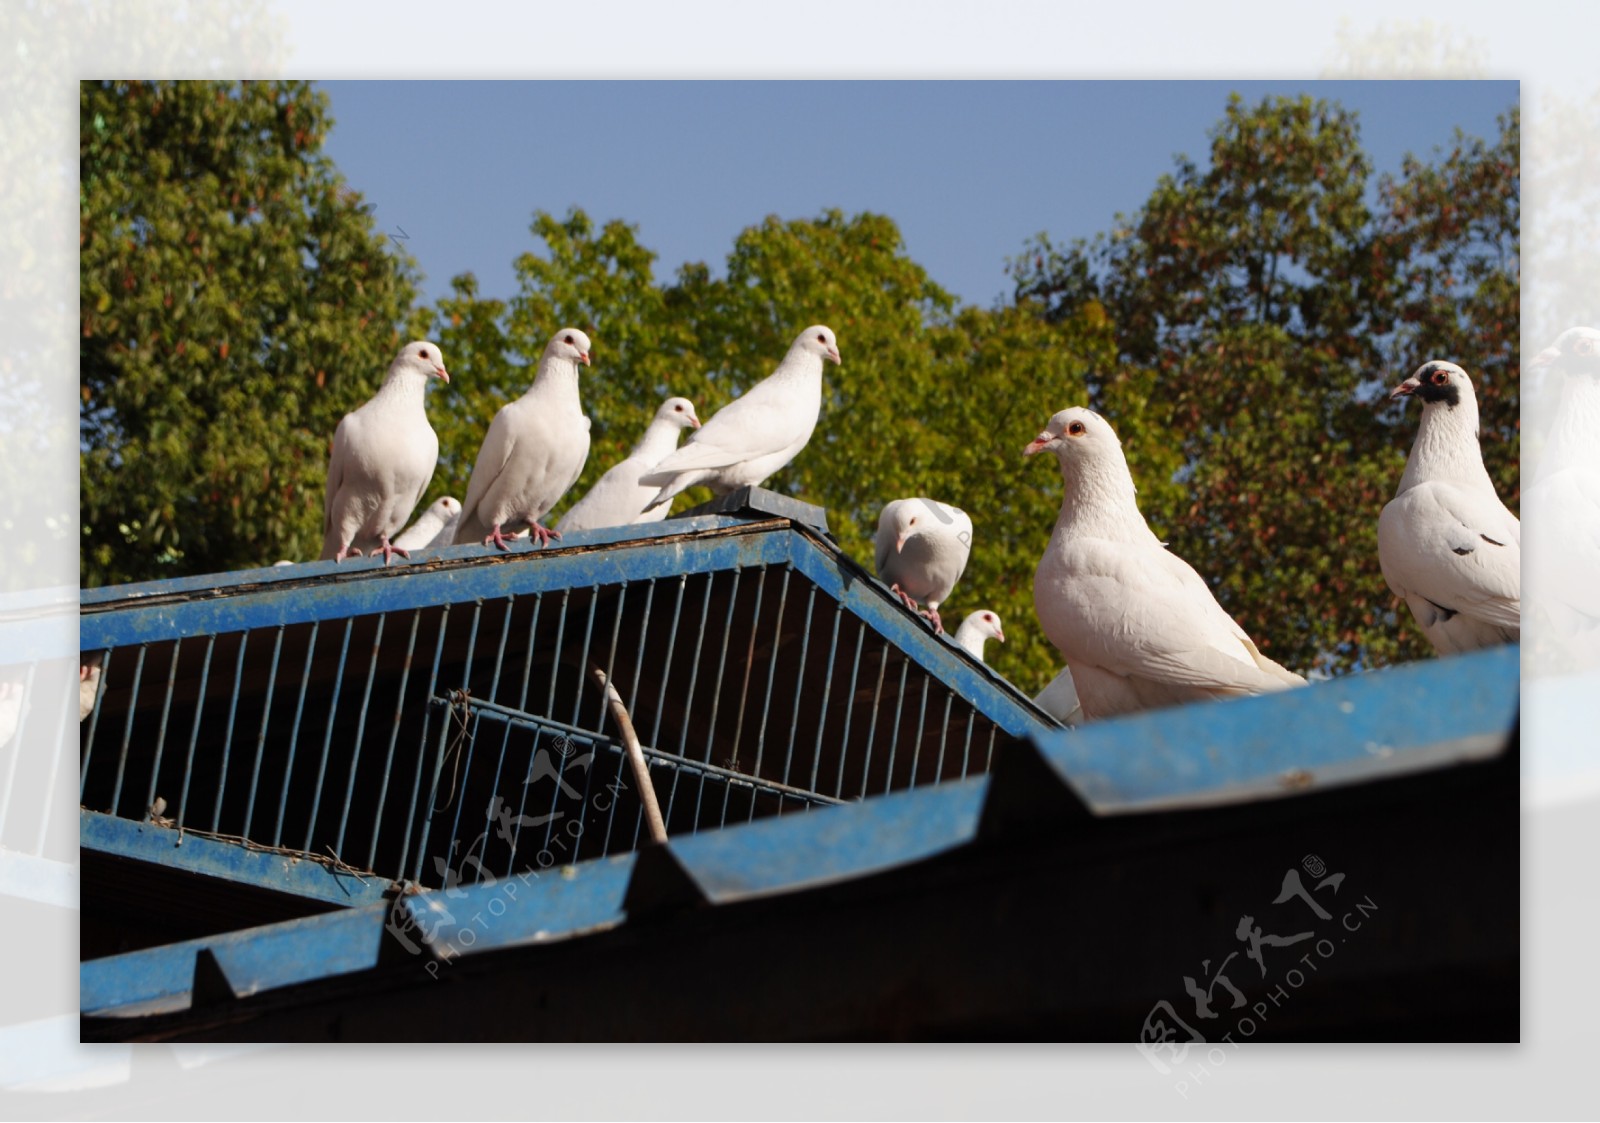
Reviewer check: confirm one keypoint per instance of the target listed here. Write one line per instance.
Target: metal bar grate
(510, 760)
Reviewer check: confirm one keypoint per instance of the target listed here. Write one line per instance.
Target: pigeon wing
(883, 539)
(336, 461)
(1141, 617)
(1217, 618)
(615, 500)
(495, 453)
(760, 422)
(1456, 549)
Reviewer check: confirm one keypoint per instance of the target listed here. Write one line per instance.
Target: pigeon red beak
(1037, 444)
(442, 373)
(1542, 359)
(1405, 389)
(833, 353)
(583, 357)
(1000, 635)
(694, 423)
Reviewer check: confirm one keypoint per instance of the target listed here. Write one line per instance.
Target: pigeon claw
(905, 598)
(388, 551)
(347, 552)
(542, 534)
(932, 615)
(498, 539)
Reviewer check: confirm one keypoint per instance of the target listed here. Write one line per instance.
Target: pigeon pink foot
(389, 551)
(543, 534)
(933, 618)
(498, 539)
(905, 597)
(347, 552)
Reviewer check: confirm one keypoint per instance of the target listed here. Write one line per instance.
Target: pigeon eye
(1076, 429)
(568, 339)
(422, 353)
(822, 339)
(1440, 378)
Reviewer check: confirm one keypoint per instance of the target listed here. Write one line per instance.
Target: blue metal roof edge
(38, 624)
(419, 585)
(245, 599)
(300, 572)
(1467, 710)
(173, 977)
(299, 874)
(766, 857)
(1345, 730)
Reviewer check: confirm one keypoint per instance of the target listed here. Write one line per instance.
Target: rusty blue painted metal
(250, 962)
(1381, 723)
(281, 872)
(357, 709)
(437, 718)
(191, 607)
(1434, 716)
(532, 906)
(801, 852)
(213, 585)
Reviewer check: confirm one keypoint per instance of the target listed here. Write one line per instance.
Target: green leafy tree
(931, 399)
(1239, 330)
(1265, 307)
(236, 301)
(600, 280)
(1453, 230)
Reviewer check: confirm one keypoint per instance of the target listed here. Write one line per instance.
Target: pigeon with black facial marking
(1447, 545)
(1137, 626)
(383, 456)
(758, 432)
(533, 452)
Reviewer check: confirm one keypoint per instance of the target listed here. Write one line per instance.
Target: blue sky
(969, 170)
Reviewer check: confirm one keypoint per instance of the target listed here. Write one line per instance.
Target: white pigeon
(88, 684)
(11, 694)
(1060, 699)
(1138, 627)
(534, 451)
(434, 527)
(758, 432)
(1563, 509)
(921, 548)
(618, 498)
(383, 456)
(1447, 545)
(979, 626)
